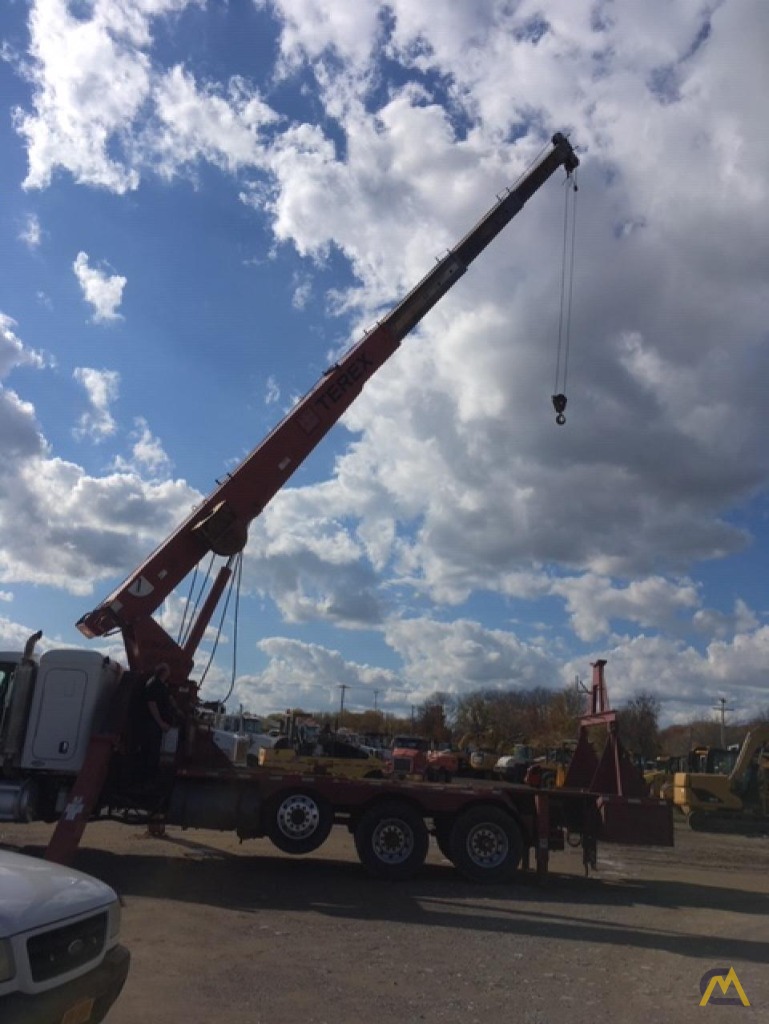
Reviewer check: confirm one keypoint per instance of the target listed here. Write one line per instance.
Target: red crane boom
(220, 523)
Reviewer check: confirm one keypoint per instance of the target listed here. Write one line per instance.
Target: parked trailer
(488, 832)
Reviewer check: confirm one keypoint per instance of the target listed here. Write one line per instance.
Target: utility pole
(723, 709)
(376, 694)
(343, 688)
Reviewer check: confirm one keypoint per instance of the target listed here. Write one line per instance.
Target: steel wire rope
(566, 297)
(183, 620)
(183, 637)
(235, 576)
(235, 616)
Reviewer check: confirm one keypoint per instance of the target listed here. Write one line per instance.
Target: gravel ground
(242, 934)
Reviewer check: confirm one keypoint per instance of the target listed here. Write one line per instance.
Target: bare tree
(639, 725)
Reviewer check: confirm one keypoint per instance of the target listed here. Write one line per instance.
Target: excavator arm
(753, 742)
(220, 524)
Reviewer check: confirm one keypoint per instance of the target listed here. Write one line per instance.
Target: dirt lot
(242, 934)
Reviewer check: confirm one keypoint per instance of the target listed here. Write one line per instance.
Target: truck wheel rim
(487, 845)
(392, 841)
(298, 817)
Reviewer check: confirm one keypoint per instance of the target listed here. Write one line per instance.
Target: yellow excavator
(699, 760)
(737, 802)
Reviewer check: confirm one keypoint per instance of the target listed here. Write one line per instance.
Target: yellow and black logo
(719, 977)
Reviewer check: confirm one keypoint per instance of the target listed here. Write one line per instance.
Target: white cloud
(86, 528)
(6, 595)
(31, 232)
(310, 564)
(309, 676)
(102, 388)
(100, 289)
(105, 114)
(13, 635)
(302, 293)
(91, 77)
(595, 602)
(204, 123)
(462, 656)
(722, 626)
(687, 682)
(272, 391)
(147, 453)
(309, 27)
(13, 351)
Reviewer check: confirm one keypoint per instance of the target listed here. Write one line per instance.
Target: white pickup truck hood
(36, 892)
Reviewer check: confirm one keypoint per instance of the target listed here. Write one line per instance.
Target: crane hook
(559, 404)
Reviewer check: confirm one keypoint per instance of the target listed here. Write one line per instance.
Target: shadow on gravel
(194, 873)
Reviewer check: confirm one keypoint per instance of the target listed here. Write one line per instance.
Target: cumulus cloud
(311, 565)
(595, 603)
(106, 114)
(86, 528)
(13, 351)
(19, 429)
(101, 387)
(91, 76)
(196, 122)
(147, 452)
(300, 674)
(103, 291)
(688, 682)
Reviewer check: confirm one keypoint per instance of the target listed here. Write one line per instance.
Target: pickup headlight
(114, 919)
(7, 965)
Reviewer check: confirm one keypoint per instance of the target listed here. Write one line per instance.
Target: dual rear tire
(484, 843)
(392, 840)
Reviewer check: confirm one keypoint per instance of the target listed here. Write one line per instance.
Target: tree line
(497, 720)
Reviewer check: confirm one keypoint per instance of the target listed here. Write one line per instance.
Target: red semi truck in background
(65, 734)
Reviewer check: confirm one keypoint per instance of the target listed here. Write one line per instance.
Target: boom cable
(567, 288)
(236, 612)
(235, 578)
(191, 608)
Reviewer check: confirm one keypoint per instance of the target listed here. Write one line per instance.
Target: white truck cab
(60, 959)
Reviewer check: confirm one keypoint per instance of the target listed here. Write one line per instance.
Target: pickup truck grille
(65, 949)
(402, 764)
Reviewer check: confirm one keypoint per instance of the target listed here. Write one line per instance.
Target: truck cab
(50, 708)
(409, 755)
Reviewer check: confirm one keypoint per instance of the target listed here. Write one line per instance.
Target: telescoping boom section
(220, 524)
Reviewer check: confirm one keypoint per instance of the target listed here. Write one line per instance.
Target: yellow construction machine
(734, 802)
(341, 764)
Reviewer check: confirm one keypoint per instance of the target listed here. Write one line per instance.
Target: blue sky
(203, 203)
